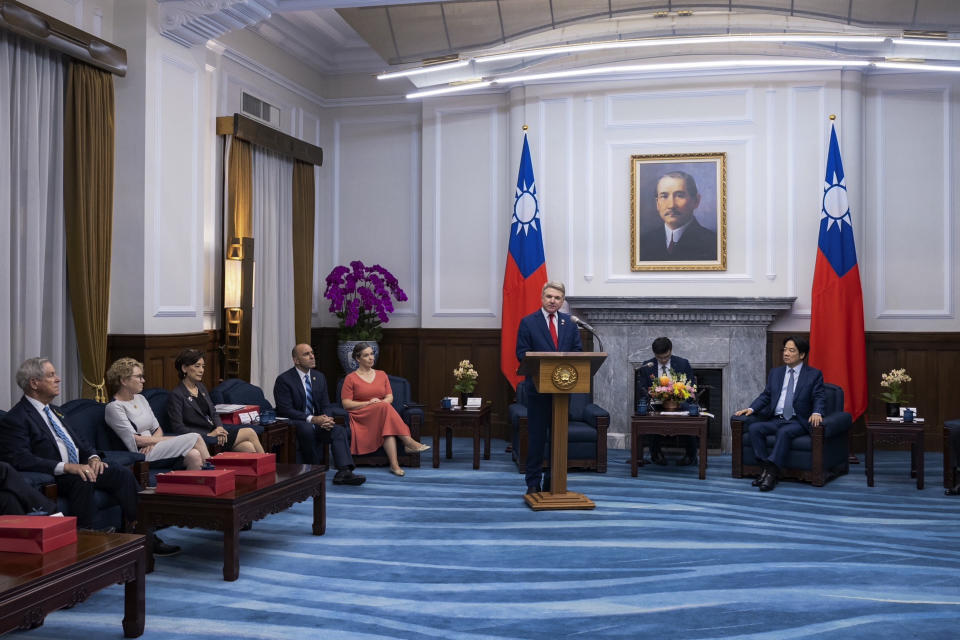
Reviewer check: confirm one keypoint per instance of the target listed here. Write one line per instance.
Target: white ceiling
(342, 36)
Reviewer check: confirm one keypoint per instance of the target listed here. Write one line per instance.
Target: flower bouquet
(671, 390)
(466, 377)
(894, 383)
(361, 297)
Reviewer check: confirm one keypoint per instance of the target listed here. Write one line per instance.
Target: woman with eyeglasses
(132, 419)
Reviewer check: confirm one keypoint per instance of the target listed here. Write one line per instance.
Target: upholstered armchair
(410, 411)
(274, 437)
(587, 433)
(86, 416)
(814, 458)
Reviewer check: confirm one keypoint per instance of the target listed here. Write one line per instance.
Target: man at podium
(546, 329)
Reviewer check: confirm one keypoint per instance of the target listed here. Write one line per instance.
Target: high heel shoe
(398, 472)
(420, 448)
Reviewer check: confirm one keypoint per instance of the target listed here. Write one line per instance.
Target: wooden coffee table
(661, 425)
(34, 584)
(896, 433)
(446, 420)
(253, 499)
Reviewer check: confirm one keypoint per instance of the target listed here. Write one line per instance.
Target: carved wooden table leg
(320, 511)
(868, 461)
(134, 599)
(486, 447)
(231, 551)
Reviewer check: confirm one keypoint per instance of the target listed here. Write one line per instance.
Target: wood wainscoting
(158, 353)
(427, 358)
(931, 359)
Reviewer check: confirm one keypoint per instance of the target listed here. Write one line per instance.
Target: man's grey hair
(31, 369)
(554, 285)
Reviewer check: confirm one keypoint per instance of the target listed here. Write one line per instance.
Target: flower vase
(893, 409)
(345, 353)
(670, 404)
(463, 399)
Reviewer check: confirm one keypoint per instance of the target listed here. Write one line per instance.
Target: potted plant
(362, 298)
(466, 376)
(895, 392)
(671, 390)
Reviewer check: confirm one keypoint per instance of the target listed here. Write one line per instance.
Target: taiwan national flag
(837, 344)
(526, 270)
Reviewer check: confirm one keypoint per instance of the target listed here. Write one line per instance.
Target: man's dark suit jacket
(809, 395)
(651, 368)
(27, 443)
(533, 334)
(696, 243)
(183, 415)
(290, 396)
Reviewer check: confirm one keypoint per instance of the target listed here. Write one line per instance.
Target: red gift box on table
(36, 534)
(236, 413)
(246, 464)
(196, 483)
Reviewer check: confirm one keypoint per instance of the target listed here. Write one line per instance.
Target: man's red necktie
(553, 333)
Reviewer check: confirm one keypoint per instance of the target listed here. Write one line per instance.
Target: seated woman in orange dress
(374, 422)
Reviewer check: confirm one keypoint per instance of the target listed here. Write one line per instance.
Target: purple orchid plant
(361, 297)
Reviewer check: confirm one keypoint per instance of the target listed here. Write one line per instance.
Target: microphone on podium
(586, 325)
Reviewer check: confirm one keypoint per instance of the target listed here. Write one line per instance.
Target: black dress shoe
(658, 458)
(686, 461)
(162, 549)
(954, 491)
(769, 482)
(347, 476)
(756, 482)
(532, 489)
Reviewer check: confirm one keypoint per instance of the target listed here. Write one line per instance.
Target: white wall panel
(375, 199)
(177, 220)
(729, 106)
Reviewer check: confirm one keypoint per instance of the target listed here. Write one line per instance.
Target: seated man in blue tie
(546, 329)
(791, 403)
(662, 364)
(35, 437)
(301, 395)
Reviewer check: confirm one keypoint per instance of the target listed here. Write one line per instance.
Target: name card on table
(474, 403)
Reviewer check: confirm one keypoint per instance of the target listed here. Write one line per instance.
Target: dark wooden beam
(254, 132)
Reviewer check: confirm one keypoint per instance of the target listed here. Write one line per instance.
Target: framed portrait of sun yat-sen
(678, 212)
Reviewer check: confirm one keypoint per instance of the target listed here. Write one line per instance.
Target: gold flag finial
(525, 127)
(833, 116)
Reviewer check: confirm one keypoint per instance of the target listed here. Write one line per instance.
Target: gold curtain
(240, 191)
(304, 204)
(88, 149)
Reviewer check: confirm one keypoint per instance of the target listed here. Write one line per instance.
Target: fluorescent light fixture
(468, 86)
(683, 40)
(421, 70)
(680, 66)
(918, 66)
(927, 42)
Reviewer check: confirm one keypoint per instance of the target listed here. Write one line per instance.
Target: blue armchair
(411, 412)
(586, 433)
(814, 458)
(276, 438)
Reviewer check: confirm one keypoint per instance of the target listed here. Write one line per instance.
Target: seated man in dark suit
(662, 364)
(791, 403)
(301, 396)
(546, 329)
(35, 437)
(18, 498)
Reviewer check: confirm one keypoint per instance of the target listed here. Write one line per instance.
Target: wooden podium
(559, 374)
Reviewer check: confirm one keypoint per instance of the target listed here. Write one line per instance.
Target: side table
(896, 433)
(446, 420)
(666, 425)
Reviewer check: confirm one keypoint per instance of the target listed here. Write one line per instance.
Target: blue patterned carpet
(454, 553)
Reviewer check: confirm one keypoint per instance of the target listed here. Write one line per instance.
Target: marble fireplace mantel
(726, 333)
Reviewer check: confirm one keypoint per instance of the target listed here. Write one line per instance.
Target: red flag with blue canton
(837, 342)
(526, 270)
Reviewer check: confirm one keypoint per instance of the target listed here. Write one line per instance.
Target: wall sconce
(232, 283)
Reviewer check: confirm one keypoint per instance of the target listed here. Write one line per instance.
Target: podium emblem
(564, 377)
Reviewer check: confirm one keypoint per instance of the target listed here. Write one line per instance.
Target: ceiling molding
(192, 22)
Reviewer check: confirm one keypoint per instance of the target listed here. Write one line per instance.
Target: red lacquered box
(252, 412)
(246, 464)
(196, 483)
(247, 483)
(36, 534)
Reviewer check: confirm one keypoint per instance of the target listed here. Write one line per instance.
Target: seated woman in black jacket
(190, 410)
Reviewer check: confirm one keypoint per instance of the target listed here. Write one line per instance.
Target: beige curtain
(88, 209)
(240, 191)
(303, 220)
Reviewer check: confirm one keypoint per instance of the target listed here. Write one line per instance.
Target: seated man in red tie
(35, 437)
(546, 329)
(301, 396)
(791, 403)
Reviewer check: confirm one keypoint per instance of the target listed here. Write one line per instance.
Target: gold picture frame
(664, 207)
